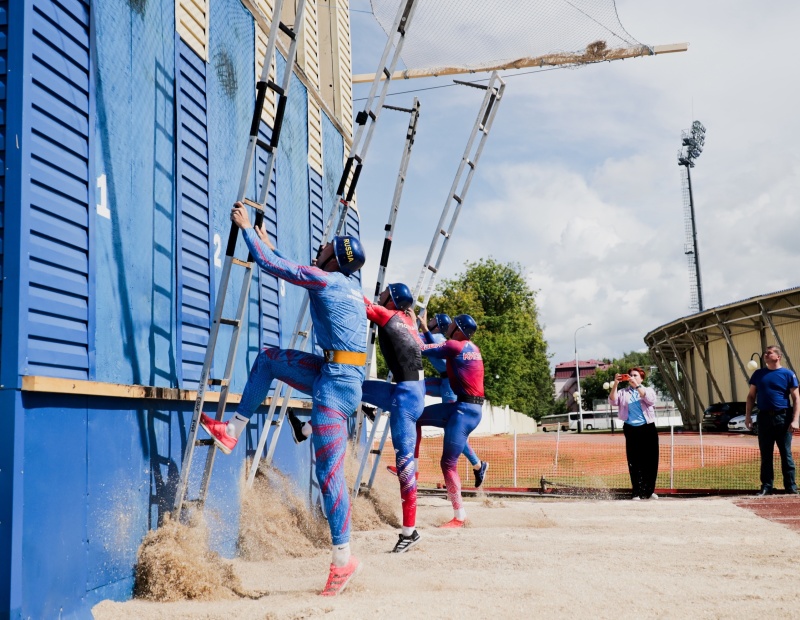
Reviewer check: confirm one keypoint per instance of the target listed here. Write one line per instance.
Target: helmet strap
(326, 261)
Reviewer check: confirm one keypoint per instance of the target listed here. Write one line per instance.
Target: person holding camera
(635, 403)
(777, 417)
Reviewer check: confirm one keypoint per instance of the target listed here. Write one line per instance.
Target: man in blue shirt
(777, 417)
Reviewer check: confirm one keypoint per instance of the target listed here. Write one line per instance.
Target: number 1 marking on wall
(102, 205)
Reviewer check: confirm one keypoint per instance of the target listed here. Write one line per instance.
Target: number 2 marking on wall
(102, 194)
(217, 250)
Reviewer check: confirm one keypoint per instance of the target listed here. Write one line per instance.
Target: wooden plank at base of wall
(53, 385)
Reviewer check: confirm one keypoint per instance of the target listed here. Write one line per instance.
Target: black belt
(474, 400)
(408, 375)
(776, 411)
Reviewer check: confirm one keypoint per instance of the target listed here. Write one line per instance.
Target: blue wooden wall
(57, 189)
(3, 134)
(195, 300)
(128, 153)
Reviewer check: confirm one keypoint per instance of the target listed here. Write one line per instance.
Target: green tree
(517, 370)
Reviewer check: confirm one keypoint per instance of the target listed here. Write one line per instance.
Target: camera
(624, 377)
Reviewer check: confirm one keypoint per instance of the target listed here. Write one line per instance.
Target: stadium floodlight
(692, 142)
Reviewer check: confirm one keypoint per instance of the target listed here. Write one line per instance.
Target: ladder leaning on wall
(281, 90)
(366, 121)
(441, 238)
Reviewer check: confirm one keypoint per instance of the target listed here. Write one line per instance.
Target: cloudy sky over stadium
(579, 182)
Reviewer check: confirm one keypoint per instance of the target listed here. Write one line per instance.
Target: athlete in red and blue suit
(432, 332)
(404, 397)
(460, 418)
(333, 380)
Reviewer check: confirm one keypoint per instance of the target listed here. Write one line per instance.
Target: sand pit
(675, 558)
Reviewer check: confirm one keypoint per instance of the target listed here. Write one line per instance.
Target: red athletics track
(779, 508)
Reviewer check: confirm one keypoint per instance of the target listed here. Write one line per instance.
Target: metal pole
(558, 440)
(671, 455)
(612, 419)
(694, 242)
(578, 379)
(702, 456)
(515, 458)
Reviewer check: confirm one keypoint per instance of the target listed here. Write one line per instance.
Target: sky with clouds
(579, 182)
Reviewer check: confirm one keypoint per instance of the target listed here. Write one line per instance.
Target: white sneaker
(636, 499)
(653, 496)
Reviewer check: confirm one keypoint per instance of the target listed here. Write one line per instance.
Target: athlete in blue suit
(333, 380)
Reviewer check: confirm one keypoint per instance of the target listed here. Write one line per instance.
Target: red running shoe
(452, 524)
(340, 576)
(218, 432)
(393, 470)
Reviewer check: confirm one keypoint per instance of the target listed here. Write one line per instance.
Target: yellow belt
(345, 357)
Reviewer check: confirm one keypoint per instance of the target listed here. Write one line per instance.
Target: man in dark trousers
(772, 387)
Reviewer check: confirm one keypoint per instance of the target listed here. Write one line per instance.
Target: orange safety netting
(597, 461)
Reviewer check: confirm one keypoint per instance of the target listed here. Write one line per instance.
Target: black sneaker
(297, 428)
(480, 474)
(368, 411)
(406, 542)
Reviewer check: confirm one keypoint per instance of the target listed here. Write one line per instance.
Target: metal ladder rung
(457, 198)
(374, 451)
(254, 204)
(204, 442)
(287, 30)
(472, 84)
(240, 263)
(275, 87)
(444, 233)
(232, 322)
(265, 145)
(432, 268)
(220, 382)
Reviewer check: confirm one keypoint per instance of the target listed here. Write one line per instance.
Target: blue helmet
(443, 321)
(466, 324)
(349, 253)
(401, 295)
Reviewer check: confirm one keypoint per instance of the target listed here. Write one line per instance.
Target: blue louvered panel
(269, 297)
(194, 244)
(3, 70)
(352, 226)
(316, 215)
(58, 173)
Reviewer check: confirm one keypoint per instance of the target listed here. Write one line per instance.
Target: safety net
(453, 36)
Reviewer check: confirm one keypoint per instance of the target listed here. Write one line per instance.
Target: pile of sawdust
(380, 506)
(488, 502)
(276, 521)
(174, 563)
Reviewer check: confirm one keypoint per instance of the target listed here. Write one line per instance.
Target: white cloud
(579, 181)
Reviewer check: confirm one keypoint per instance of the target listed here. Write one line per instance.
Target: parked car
(736, 425)
(717, 416)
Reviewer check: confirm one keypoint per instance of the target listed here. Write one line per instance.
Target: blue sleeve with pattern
(276, 265)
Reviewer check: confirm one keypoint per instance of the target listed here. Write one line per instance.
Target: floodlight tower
(692, 141)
